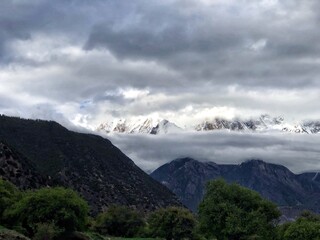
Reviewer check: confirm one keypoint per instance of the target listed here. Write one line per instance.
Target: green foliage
(8, 195)
(307, 226)
(120, 221)
(95, 236)
(234, 212)
(62, 207)
(172, 223)
(46, 231)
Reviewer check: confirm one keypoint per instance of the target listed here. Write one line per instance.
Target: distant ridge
(187, 177)
(264, 123)
(89, 164)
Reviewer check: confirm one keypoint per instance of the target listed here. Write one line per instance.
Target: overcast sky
(87, 61)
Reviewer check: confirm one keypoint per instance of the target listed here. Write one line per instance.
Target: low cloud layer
(298, 152)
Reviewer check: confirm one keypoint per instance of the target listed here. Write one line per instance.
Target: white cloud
(299, 153)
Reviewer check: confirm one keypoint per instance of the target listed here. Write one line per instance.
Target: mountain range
(264, 123)
(187, 177)
(36, 153)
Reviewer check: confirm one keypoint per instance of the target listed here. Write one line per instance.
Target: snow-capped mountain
(144, 125)
(264, 123)
(312, 126)
(164, 127)
(261, 124)
(141, 125)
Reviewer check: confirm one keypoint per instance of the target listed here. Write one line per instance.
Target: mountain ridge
(187, 177)
(87, 163)
(264, 123)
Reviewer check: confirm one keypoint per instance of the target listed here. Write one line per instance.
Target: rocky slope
(264, 123)
(187, 178)
(18, 170)
(90, 164)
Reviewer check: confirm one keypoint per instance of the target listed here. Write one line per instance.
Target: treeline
(227, 212)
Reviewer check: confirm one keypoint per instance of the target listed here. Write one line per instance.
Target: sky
(88, 61)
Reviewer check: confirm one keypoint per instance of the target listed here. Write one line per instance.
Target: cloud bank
(298, 152)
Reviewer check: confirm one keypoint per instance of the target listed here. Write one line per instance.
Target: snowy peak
(264, 123)
(128, 126)
(164, 127)
(220, 124)
(312, 126)
(141, 125)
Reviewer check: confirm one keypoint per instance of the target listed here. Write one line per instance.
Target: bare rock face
(87, 163)
(187, 179)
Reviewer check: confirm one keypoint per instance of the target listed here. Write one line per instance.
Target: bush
(307, 226)
(234, 212)
(172, 223)
(62, 207)
(46, 231)
(9, 194)
(120, 221)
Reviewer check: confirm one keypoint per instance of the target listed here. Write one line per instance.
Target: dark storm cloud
(185, 52)
(297, 152)
(22, 20)
(219, 44)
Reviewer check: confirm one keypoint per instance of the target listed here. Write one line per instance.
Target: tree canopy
(120, 221)
(9, 194)
(229, 211)
(62, 207)
(172, 223)
(307, 226)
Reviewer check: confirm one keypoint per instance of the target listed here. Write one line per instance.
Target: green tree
(172, 223)
(46, 231)
(307, 226)
(233, 212)
(9, 194)
(120, 221)
(62, 207)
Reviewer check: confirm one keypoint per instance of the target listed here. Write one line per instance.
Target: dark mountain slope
(274, 182)
(18, 170)
(87, 163)
(187, 178)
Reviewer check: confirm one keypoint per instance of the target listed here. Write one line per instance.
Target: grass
(96, 236)
(91, 235)
(132, 238)
(11, 234)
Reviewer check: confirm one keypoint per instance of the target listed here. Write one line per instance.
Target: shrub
(46, 231)
(307, 226)
(62, 207)
(234, 212)
(172, 223)
(120, 221)
(9, 194)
